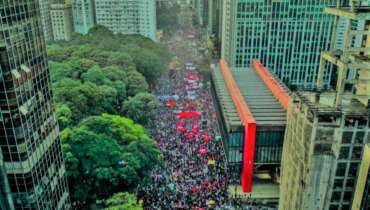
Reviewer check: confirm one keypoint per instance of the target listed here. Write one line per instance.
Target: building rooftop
(265, 107)
(229, 112)
(326, 102)
(358, 13)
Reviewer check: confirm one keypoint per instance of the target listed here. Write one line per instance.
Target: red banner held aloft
(170, 103)
(184, 115)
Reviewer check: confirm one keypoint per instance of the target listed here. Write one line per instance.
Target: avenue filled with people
(185, 129)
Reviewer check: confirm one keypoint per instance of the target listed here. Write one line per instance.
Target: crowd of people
(194, 172)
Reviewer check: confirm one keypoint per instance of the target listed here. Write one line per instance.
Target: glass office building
(287, 36)
(32, 170)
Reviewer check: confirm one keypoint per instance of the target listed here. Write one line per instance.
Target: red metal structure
(249, 124)
(277, 90)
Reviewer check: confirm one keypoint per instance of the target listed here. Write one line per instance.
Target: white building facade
(61, 20)
(44, 6)
(128, 16)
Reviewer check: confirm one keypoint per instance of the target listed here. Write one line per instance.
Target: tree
(136, 83)
(120, 59)
(123, 201)
(92, 164)
(85, 99)
(59, 53)
(64, 115)
(99, 32)
(60, 71)
(115, 73)
(148, 64)
(140, 106)
(105, 154)
(96, 76)
(100, 56)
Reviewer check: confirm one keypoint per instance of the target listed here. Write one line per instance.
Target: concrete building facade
(322, 152)
(128, 16)
(61, 20)
(328, 131)
(83, 15)
(361, 200)
(32, 171)
(287, 36)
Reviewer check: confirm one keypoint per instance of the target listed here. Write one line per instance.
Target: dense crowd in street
(184, 127)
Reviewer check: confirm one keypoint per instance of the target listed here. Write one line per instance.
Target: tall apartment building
(61, 20)
(44, 6)
(324, 162)
(128, 16)
(32, 171)
(201, 11)
(287, 36)
(213, 16)
(83, 15)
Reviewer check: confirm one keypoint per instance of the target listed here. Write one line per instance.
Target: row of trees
(100, 85)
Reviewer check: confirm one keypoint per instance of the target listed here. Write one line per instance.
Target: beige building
(61, 20)
(324, 165)
(361, 200)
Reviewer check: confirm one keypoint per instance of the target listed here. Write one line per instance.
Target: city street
(185, 128)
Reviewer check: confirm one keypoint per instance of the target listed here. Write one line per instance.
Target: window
(341, 169)
(356, 153)
(345, 207)
(353, 169)
(333, 207)
(344, 153)
(338, 184)
(347, 137)
(335, 197)
(359, 139)
(350, 184)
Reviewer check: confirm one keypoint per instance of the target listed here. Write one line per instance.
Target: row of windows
(25, 81)
(47, 166)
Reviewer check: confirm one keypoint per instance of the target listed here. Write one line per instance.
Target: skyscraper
(83, 15)
(61, 20)
(213, 16)
(201, 11)
(32, 170)
(44, 6)
(128, 16)
(287, 36)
